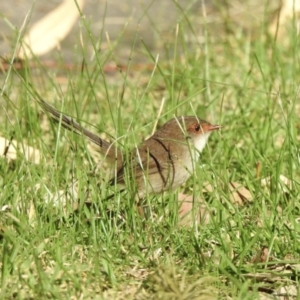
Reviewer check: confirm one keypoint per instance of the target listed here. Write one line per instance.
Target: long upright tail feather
(106, 148)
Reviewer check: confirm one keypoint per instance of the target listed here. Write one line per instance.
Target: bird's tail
(109, 150)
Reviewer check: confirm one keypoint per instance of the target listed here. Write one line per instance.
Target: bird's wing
(145, 162)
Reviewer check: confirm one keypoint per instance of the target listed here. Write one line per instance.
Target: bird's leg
(140, 208)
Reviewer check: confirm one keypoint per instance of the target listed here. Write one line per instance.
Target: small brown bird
(162, 162)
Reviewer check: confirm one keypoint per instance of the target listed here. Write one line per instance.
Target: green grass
(55, 246)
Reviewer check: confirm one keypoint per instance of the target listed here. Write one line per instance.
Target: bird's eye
(197, 127)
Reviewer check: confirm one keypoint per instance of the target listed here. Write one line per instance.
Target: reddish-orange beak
(211, 127)
(215, 127)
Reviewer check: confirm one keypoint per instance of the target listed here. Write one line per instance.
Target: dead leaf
(261, 221)
(207, 187)
(261, 256)
(283, 182)
(63, 198)
(11, 149)
(239, 194)
(5, 208)
(192, 212)
(46, 34)
(287, 292)
(289, 10)
(138, 273)
(31, 212)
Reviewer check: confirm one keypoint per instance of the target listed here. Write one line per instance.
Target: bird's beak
(211, 127)
(215, 127)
